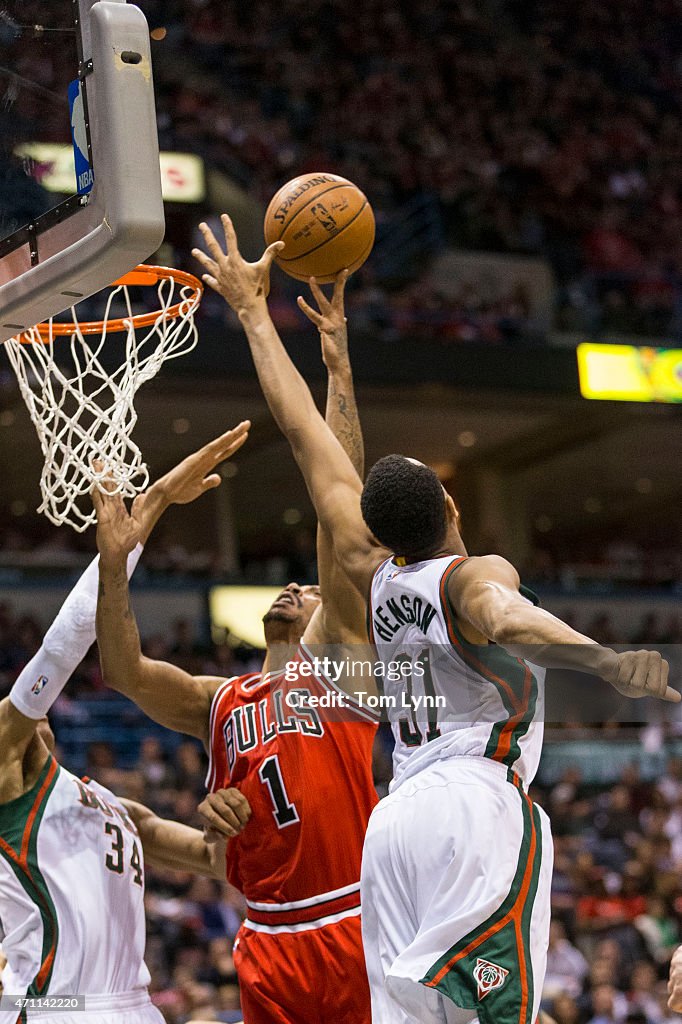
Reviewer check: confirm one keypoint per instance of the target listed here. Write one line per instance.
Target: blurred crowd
(612, 561)
(530, 126)
(616, 896)
(588, 563)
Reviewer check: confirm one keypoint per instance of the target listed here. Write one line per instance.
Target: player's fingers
(220, 823)
(206, 261)
(654, 680)
(221, 448)
(237, 802)
(97, 500)
(211, 242)
(209, 482)
(675, 1001)
(211, 282)
(235, 445)
(219, 444)
(227, 814)
(268, 256)
(226, 445)
(230, 235)
(673, 696)
(311, 313)
(339, 289)
(320, 298)
(632, 671)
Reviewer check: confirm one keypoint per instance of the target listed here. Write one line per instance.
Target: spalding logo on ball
(326, 225)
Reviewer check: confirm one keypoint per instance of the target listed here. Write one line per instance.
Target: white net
(80, 391)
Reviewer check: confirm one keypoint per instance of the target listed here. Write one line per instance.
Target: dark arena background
(524, 162)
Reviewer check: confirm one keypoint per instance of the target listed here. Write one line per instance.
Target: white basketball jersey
(444, 696)
(71, 891)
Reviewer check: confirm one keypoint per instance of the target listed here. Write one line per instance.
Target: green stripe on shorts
(490, 969)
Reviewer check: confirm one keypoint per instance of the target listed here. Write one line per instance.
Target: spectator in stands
(566, 965)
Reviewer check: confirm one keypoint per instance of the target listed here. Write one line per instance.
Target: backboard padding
(121, 222)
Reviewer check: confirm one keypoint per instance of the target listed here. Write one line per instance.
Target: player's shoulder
(493, 568)
(236, 690)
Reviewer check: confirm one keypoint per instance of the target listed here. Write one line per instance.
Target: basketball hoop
(82, 405)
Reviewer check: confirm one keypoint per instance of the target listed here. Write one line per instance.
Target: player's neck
(452, 546)
(279, 652)
(35, 757)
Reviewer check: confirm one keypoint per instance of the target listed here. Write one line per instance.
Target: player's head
(44, 732)
(406, 507)
(291, 611)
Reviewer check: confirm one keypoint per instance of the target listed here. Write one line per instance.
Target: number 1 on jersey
(270, 774)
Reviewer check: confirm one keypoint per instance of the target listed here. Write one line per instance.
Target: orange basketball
(326, 225)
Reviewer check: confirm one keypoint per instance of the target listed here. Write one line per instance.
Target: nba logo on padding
(488, 977)
(85, 178)
(39, 685)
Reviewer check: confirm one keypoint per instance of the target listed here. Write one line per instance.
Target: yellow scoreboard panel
(240, 611)
(626, 373)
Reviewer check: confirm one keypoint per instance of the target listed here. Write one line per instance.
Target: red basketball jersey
(307, 774)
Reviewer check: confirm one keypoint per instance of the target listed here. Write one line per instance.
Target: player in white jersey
(72, 894)
(457, 858)
(71, 853)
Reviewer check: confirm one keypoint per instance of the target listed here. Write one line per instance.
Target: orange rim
(143, 275)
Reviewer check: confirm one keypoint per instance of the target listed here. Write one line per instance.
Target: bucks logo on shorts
(488, 977)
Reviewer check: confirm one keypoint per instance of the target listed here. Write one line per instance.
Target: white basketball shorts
(455, 888)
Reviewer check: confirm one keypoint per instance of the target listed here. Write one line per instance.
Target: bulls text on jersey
(251, 725)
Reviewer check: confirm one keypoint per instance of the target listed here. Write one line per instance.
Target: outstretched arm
(341, 616)
(341, 414)
(164, 692)
(170, 844)
(484, 592)
(332, 482)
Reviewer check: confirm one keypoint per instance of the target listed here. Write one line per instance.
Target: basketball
(326, 224)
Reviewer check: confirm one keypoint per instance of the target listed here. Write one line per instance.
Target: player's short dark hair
(403, 505)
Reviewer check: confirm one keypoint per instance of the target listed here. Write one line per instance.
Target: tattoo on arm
(342, 417)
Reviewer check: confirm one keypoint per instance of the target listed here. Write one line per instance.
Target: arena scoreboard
(627, 373)
(240, 610)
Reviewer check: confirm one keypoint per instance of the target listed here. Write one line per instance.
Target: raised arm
(170, 844)
(164, 692)
(332, 482)
(43, 678)
(484, 593)
(341, 414)
(342, 614)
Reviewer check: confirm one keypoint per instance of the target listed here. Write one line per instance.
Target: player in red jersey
(306, 774)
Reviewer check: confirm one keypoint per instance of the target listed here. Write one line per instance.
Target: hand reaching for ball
(243, 285)
(330, 320)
